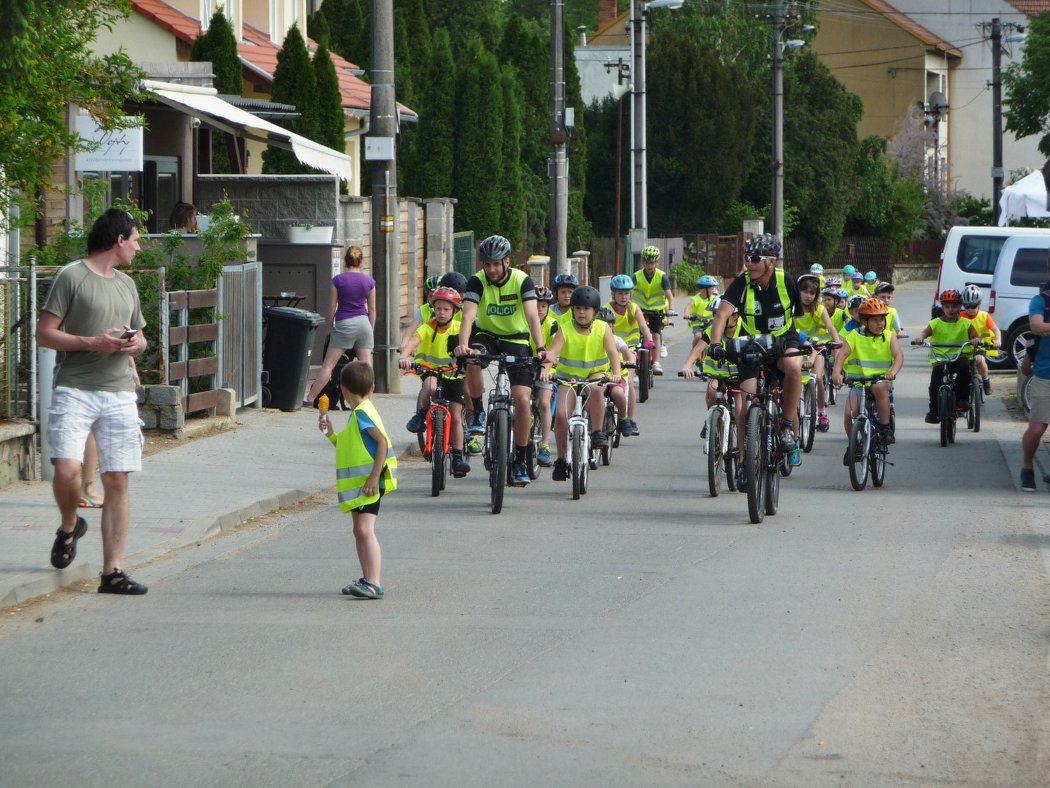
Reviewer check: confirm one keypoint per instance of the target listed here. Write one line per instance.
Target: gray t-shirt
(88, 304)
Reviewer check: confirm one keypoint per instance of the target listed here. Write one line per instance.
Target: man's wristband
(541, 349)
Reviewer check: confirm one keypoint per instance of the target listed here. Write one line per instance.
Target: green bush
(686, 273)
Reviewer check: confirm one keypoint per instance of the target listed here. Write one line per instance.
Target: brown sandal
(64, 550)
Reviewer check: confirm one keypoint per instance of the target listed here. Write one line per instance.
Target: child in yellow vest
(629, 325)
(949, 329)
(432, 345)
(544, 392)
(365, 471)
(817, 323)
(867, 351)
(584, 348)
(987, 331)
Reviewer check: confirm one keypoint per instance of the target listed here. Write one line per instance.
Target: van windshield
(1030, 268)
(977, 253)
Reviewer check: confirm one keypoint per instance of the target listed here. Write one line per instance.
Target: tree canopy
(1027, 84)
(295, 83)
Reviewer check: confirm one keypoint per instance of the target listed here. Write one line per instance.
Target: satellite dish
(938, 103)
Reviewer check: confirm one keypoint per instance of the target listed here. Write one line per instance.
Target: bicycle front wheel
(730, 454)
(857, 453)
(877, 463)
(532, 451)
(715, 433)
(579, 462)
(498, 425)
(973, 418)
(755, 463)
(807, 424)
(421, 436)
(946, 414)
(644, 374)
(437, 452)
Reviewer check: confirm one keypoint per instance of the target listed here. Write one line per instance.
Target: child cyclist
(884, 292)
(366, 470)
(870, 350)
(987, 331)
(699, 314)
(432, 345)
(853, 316)
(583, 349)
(544, 392)
(816, 322)
(564, 284)
(652, 292)
(629, 326)
(949, 329)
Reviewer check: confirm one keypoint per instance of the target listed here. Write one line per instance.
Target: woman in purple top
(351, 319)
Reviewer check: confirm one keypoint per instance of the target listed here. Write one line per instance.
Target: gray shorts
(1039, 399)
(353, 333)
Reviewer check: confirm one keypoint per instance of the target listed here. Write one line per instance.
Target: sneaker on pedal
(741, 478)
(543, 456)
(986, 384)
(657, 369)
(634, 427)
(787, 438)
(823, 423)
(599, 439)
(626, 428)
(663, 351)
(520, 472)
(795, 457)
(418, 422)
(703, 432)
(560, 472)
(931, 418)
(886, 434)
(477, 423)
(473, 445)
(460, 466)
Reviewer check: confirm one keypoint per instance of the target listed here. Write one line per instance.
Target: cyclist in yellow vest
(949, 329)
(544, 392)
(433, 345)
(987, 331)
(499, 314)
(872, 349)
(768, 301)
(630, 326)
(855, 285)
(884, 291)
(652, 292)
(817, 324)
(365, 471)
(699, 313)
(563, 286)
(582, 350)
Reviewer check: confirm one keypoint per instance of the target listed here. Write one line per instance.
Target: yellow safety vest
(549, 325)
(583, 355)
(747, 318)
(500, 311)
(427, 311)
(838, 319)
(353, 462)
(433, 345)
(701, 312)
(944, 333)
(722, 369)
(649, 293)
(980, 324)
(869, 355)
(813, 323)
(858, 290)
(626, 327)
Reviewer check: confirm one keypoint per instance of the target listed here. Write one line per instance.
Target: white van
(970, 255)
(1022, 267)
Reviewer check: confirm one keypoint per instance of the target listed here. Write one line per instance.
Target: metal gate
(463, 253)
(240, 331)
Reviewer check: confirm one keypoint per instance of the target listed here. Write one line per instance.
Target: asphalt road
(645, 635)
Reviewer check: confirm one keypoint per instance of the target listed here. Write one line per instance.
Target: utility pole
(777, 200)
(557, 246)
(997, 118)
(380, 150)
(639, 233)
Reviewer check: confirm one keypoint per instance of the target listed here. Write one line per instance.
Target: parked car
(1021, 268)
(970, 255)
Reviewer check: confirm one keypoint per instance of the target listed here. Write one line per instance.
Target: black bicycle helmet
(455, 280)
(765, 245)
(494, 248)
(586, 295)
(606, 314)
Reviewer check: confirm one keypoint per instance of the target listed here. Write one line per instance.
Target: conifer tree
(438, 121)
(331, 120)
(293, 83)
(512, 206)
(219, 46)
(478, 174)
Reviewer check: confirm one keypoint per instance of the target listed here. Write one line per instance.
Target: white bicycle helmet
(971, 296)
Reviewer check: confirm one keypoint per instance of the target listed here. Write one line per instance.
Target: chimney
(606, 12)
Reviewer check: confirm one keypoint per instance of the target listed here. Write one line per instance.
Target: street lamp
(639, 207)
(779, 45)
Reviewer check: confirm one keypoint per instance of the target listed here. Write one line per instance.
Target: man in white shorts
(92, 317)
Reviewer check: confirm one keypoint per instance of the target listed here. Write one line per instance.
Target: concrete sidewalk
(191, 492)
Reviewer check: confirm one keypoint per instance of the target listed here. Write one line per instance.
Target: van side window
(977, 254)
(1030, 268)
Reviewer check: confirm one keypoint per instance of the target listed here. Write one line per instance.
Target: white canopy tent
(223, 115)
(1025, 199)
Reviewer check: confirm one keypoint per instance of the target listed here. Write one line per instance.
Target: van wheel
(1016, 342)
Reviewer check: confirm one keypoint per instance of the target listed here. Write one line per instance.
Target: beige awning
(234, 120)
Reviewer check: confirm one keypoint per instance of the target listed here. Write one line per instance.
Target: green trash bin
(286, 355)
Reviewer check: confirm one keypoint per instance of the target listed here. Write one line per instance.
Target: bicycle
(764, 457)
(438, 425)
(866, 452)
(665, 315)
(947, 411)
(720, 443)
(643, 371)
(973, 414)
(579, 452)
(498, 447)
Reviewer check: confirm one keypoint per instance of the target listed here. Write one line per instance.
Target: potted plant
(318, 233)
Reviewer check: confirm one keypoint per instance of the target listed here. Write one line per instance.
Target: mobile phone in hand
(129, 333)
